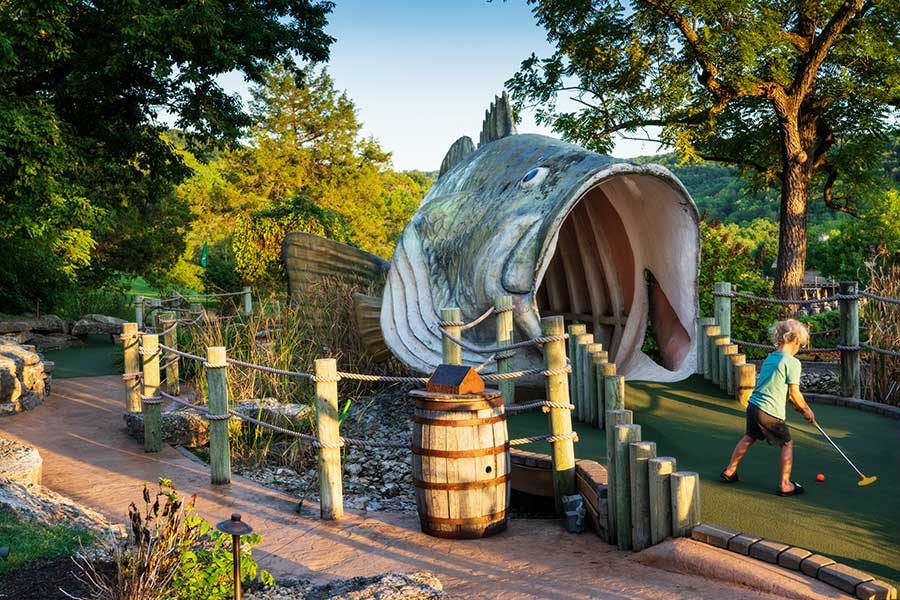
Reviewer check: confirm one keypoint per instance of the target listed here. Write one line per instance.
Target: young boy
(779, 379)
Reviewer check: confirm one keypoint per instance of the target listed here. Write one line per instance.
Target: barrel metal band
(485, 520)
(475, 452)
(458, 422)
(466, 485)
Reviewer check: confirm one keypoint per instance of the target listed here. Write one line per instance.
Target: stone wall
(24, 376)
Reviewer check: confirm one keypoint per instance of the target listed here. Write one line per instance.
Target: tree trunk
(798, 140)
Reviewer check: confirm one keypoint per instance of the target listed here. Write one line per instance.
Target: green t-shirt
(778, 371)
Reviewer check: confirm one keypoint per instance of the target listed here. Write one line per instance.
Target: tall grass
(881, 374)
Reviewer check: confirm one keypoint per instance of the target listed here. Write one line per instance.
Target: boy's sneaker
(729, 478)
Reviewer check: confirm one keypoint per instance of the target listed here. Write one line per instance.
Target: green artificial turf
(30, 541)
(698, 425)
(97, 357)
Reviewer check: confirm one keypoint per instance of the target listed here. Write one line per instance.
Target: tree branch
(797, 41)
(829, 198)
(822, 44)
(752, 164)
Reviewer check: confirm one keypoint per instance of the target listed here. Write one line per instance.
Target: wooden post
(624, 435)
(849, 314)
(596, 359)
(503, 307)
(717, 360)
(130, 345)
(139, 311)
(219, 444)
(639, 453)
(557, 388)
(331, 491)
(155, 306)
(173, 386)
(723, 307)
(196, 309)
(700, 342)
(727, 351)
(572, 345)
(613, 418)
(736, 359)
(150, 399)
(614, 392)
(685, 502)
(746, 381)
(658, 476)
(248, 300)
(584, 392)
(452, 350)
(708, 334)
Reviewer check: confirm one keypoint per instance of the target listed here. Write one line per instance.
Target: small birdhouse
(452, 379)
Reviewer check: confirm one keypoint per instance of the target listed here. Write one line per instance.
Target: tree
(799, 94)
(85, 172)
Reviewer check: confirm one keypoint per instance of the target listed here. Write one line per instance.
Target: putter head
(867, 481)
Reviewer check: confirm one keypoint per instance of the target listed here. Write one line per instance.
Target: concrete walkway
(88, 457)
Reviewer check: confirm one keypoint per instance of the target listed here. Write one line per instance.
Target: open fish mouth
(623, 261)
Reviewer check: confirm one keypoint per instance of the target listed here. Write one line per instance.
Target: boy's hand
(809, 415)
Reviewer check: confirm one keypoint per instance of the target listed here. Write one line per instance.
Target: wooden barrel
(461, 468)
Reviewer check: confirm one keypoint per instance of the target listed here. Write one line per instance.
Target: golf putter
(863, 480)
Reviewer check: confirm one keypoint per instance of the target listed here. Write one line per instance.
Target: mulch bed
(44, 580)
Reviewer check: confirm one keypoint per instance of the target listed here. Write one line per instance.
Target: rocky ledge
(20, 463)
(420, 585)
(24, 376)
(50, 332)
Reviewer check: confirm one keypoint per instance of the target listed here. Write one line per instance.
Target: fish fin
(498, 120)
(460, 149)
(311, 261)
(367, 310)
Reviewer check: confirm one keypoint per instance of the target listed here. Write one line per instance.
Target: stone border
(532, 473)
(878, 408)
(847, 579)
(20, 463)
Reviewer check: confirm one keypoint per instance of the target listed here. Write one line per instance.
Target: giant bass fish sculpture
(562, 230)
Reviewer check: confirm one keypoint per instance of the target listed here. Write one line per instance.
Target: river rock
(420, 585)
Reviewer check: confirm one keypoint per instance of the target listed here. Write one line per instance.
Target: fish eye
(534, 177)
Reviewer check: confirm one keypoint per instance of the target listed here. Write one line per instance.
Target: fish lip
(549, 246)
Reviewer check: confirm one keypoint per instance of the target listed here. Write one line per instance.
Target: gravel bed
(420, 585)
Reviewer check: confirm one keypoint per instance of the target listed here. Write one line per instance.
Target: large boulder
(179, 428)
(24, 377)
(48, 332)
(97, 324)
(20, 463)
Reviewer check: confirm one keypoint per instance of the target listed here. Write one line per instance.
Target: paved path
(88, 457)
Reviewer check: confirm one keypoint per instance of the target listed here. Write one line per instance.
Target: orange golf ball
(820, 477)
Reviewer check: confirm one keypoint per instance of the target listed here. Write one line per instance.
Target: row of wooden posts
(157, 306)
(648, 498)
(720, 361)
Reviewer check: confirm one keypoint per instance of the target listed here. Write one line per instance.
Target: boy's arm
(799, 402)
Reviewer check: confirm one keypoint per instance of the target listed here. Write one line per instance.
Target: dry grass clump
(881, 374)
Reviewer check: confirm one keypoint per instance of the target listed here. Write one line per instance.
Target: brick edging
(847, 579)
(885, 410)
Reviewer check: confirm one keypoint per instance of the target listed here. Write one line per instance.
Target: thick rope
(477, 321)
(382, 378)
(786, 302)
(881, 351)
(132, 376)
(527, 372)
(273, 370)
(879, 298)
(151, 400)
(538, 341)
(801, 351)
(148, 352)
(542, 404)
(545, 438)
(183, 354)
(490, 359)
(222, 295)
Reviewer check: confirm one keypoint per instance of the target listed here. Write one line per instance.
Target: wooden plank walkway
(88, 456)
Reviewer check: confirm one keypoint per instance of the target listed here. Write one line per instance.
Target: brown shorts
(763, 426)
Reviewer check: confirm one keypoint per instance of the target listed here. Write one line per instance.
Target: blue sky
(422, 73)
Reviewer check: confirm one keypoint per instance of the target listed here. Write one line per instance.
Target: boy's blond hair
(789, 330)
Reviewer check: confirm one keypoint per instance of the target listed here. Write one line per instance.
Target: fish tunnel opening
(593, 273)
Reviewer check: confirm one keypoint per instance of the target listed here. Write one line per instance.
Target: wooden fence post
(604, 372)
(614, 392)
(331, 490)
(736, 359)
(746, 381)
(718, 342)
(155, 306)
(584, 392)
(727, 351)
(503, 307)
(572, 347)
(700, 342)
(659, 472)
(173, 386)
(723, 307)
(639, 453)
(217, 405)
(150, 399)
(596, 359)
(685, 502)
(196, 309)
(452, 350)
(624, 435)
(849, 314)
(248, 300)
(139, 311)
(557, 388)
(613, 418)
(709, 332)
(132, 376)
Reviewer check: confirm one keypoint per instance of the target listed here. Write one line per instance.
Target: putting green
(97, 357)
(698, 425)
